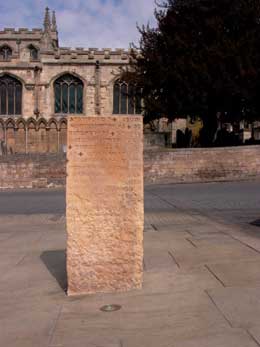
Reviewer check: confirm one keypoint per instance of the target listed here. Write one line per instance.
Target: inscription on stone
(104, 204)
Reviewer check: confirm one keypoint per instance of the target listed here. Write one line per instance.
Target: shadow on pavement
(256, 223)
(55, 261)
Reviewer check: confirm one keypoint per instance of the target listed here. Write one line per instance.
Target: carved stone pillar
(97, 88)
(37, 71)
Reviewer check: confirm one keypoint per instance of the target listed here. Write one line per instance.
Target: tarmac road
(235, 202)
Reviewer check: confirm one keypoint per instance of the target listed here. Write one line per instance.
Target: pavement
(201, 273)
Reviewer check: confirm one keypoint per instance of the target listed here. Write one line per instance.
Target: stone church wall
(33, 136)
(34, 60)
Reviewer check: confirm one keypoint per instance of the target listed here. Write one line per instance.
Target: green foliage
(202, 58)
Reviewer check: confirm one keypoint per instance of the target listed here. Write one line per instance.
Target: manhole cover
(110, 308)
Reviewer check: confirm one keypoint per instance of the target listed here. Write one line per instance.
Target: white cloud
(85, 23)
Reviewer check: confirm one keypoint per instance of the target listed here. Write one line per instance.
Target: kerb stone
(105, 213)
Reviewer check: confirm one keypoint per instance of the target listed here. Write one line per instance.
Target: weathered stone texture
(201, 164)
(160, 166)
(104, 204)
(32, 171)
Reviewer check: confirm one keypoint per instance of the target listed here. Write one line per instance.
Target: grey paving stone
(238, 274)
(158, 249)
(21, 241)
(209, 239)
(25, 327)
(233, 338)
(179, 281)
(198, 224)
(150, 341)
(205, 229)
(240, 306)
(161, 239)
(21, 341)
(51, 241)
(215, 254)
(88, 341)
(30, 270)
(5, 235)
(174, 229)
(9, 261)
(248, 236)
(155, 259)
(168, 218)
(184, 316)
(255, 332)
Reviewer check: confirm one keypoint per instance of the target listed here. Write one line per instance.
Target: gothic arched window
(10, 96)
(34, 53)
(5, 53)
(126, 98)
(68, 95)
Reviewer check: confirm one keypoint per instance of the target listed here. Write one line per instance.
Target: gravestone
(104, 204)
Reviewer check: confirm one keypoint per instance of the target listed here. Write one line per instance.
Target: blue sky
(83, 23)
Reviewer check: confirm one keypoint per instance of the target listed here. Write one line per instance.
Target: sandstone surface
(104, 204)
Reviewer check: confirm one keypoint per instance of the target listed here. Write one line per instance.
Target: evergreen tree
(202, 58)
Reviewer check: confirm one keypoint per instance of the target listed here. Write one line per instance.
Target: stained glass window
(126, 98)
(116, 96)
(72, 93)
(79, 99)
(68, 92)
(10, 96)
(131, 104)
(65, 98)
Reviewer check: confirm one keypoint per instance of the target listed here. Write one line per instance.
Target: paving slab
(88, 341)
(217, 238)
(178, 230)
(9, 261)
(167, 237)
(155, 259)
(233, 338)
(158, 249)
(179, 281)
(201, 282)
(205, 228)
(167, 218)
(5, 236)
(21, 241)
(25, 327)
(215, 254)
(20, 341)
(240, 306)
(249, 236)
(255, 332)
(178, 319)
(238, 273)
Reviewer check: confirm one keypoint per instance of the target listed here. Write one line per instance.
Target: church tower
(50, 40)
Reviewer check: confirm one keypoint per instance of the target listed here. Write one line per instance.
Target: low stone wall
(32, 171)
(202, 164)
(160, 166)
(154, 140)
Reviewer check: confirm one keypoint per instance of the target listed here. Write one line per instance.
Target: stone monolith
(104, 204)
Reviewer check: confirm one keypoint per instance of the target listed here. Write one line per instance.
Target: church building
(42, 83)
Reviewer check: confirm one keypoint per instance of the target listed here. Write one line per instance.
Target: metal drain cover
(110, 308)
